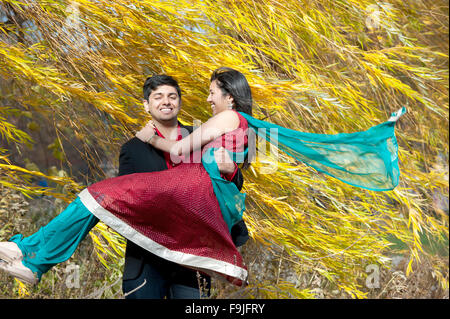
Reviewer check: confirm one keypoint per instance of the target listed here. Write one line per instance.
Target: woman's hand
(147, 132)
(224, 161)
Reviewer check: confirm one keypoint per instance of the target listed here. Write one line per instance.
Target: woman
(189, 222)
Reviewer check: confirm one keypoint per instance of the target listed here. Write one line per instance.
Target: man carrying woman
(186, 214)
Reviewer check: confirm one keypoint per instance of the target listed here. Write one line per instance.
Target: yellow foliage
(315, 66)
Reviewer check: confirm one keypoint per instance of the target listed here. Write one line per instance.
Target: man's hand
(224, 162)
(147, 132)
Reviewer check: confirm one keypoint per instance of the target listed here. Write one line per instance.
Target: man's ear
(146, 106)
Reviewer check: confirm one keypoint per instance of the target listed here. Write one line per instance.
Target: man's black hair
(157, 80)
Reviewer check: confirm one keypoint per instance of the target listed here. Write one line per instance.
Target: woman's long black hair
(233, 82)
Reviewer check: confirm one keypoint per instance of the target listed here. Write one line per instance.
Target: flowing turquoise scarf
(367, 159)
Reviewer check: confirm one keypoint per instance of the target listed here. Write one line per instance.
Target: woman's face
(219, 101)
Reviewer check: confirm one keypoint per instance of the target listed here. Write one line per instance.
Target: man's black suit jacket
(139, 157)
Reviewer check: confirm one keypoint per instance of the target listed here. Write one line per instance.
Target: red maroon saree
(174, 213)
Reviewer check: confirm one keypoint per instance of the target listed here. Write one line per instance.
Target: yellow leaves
(105, 238)
(411, 260)
(11, 133)
(22, 288)
(308, 70)
(442, 279)
(182, 56)
(14, 172)
(128, 22)
(379, 60)
(372, 80)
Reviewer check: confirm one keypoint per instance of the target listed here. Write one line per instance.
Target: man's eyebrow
(160, 93)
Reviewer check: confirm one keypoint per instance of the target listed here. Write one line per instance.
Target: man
(145, 274)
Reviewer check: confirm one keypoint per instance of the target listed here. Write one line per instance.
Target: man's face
(163, 104)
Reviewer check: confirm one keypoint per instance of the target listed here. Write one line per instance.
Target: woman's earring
(230, 106)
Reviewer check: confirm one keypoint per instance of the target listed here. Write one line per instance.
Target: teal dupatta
(367, 159)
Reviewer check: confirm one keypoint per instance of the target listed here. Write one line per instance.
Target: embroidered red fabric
(177, 209)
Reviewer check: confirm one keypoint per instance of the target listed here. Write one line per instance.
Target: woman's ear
(230, 100)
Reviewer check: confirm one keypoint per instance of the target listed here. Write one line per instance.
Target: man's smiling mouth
(166, 110)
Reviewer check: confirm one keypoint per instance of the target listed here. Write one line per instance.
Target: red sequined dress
(174, 213)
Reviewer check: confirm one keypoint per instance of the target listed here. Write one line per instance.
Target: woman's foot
(9, 251)
(18, 270)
